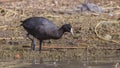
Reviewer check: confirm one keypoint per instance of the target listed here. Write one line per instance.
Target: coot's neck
(59, 33)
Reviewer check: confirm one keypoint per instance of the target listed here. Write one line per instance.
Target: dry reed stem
(5, 26)
(6, 38)
(103, 37)
(11, 13)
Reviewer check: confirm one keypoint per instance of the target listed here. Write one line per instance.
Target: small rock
(17, 56)
(90, 7)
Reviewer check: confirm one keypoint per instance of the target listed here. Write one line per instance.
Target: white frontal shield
(72, 32)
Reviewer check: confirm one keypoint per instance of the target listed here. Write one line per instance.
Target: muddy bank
(95, 40)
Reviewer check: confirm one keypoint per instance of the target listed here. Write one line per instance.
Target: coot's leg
(40, 45)
(32, 43)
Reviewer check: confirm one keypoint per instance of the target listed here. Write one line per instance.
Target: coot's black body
(43, 29)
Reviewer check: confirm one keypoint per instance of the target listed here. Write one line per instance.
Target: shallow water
(59, 64)
(73, 65)
(64, 59)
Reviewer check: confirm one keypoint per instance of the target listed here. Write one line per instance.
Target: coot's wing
(33, 22)
(46, 26)
(39, 27)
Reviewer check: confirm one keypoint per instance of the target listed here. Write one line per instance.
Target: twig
(101, 36)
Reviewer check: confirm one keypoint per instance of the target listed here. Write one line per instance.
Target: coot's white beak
(71, 31)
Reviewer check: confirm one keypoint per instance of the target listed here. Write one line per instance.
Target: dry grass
(12, 36)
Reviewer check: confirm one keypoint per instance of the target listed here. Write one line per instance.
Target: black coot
(43, 29)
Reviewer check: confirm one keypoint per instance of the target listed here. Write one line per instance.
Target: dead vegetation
(91, 29)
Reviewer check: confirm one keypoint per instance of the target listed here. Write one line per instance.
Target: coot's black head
(67, 28)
